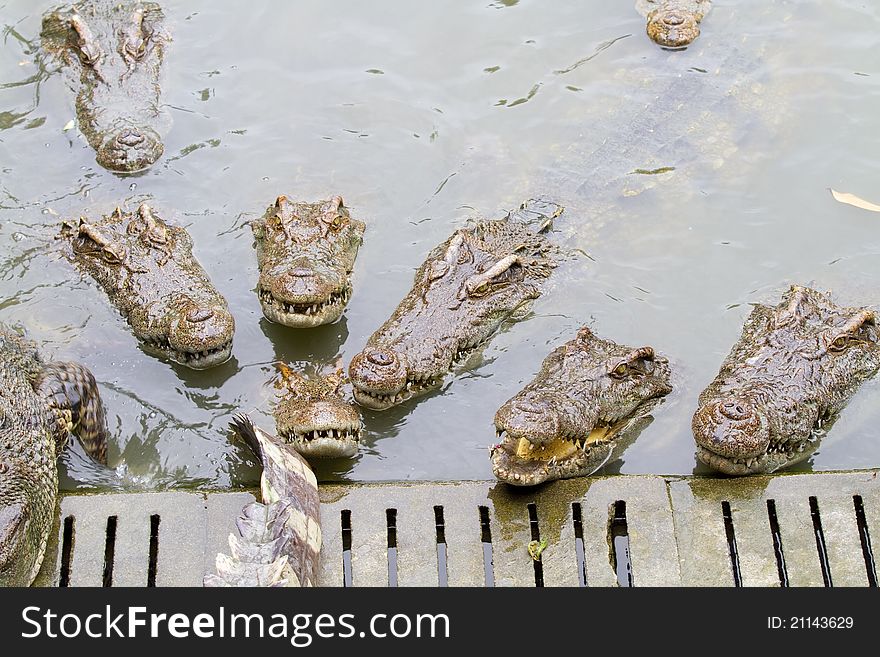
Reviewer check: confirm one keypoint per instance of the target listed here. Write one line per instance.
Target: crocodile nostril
(129, 137)
(529, 407)
(735, 410)
(673, 19)
(380, 358)
(197, 315)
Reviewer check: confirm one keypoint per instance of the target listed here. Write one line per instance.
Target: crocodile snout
(673, 29)
(536, 418)
(378, 370)
(732, 427)
(130, 149)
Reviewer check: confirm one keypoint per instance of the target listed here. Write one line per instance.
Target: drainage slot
(67, 538)
(153, 565)
(820, 541)
(536, 536)
(865, 538)
(391, 521)
(618, 537)
(731, 543)
(440, 527)
(346, 547)
(109, 551)
(577, 517)
(486, 538)
(777, 542)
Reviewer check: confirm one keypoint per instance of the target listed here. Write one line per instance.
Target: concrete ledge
(676, 533)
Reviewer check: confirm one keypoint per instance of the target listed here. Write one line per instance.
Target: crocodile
(278, 540)
(313, 417)
(111, 55)
(569, 420)
(147, 268)
(485, 274)
(650, 151)
(41, 404)
(794, 368)
(306, 253)
(673, 23)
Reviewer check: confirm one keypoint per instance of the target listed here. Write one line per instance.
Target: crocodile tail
(243, 427)
(277, 541)
(261, 552)
(76, 406)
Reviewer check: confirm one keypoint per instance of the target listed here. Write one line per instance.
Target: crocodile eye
(110, 256)
(480, 290)
(840, 344)
(620, 371)
(337, 222)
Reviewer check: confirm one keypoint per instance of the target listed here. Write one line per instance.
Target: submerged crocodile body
(673, 23)
(147, 268)
(792, 371)
(279, 539)
(40, 405)
(111, 54)
(313, 417)
(651, 151)
(482, 276)
(306, 253)
(568, 421)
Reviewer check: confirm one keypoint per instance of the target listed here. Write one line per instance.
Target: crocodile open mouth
(518, 461)
(778, 455)
(197, 360)
(304, 315)
(337, 442)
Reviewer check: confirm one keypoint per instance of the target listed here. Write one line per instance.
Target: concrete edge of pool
(644, 530)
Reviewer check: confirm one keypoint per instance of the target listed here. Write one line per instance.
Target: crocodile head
(674, 23)
(306, 253)
(112, 53)
(21, 539)
(147, 268)
(312, 416)
(794, 368)
(567, 421)
(479, 278)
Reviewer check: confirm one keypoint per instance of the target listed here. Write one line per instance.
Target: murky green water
(420, 115)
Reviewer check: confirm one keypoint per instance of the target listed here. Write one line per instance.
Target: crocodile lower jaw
(380, 402)
(777, 456)
(340, 442)
(200, 360)
(304, 315)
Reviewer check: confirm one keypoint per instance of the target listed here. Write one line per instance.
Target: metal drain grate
(798, 530)
(793, 530)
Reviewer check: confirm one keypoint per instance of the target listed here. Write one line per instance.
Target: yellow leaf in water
(852, 199)
(67, 126)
